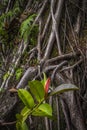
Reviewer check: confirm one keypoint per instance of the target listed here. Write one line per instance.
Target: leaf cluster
(27, 28)
(34, 101)
(18, 73)
(5, 20)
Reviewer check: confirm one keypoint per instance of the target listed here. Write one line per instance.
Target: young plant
(34, 102)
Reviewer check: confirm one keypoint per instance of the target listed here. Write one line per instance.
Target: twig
(14, 64)
(29, 74)
(65, 111)
(28, 4)
(71, 26)
(58, 113)
(55, 70)
(82, 97)
(71, 1)
(64, 40)
(8, 6)
(46, 26)
(63, 57)
(73, 66)
(61, 79)
(68, 41)
(41, 11)
(52, 34)
(39, 40)
(46, 123)
(51, 103)
(32, 50)
(80, 18)
(7, 123)
(78, 23)
(55, 27)
(51, 67)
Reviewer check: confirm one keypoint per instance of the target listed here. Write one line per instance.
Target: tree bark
(58, 51)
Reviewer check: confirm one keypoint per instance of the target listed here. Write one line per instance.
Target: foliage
(24, 95)
(8, 16)
(33, 35)
(27, 28)
(6, 75)
(5, 20)
(18, 73)
(62, 88)
(36, 105)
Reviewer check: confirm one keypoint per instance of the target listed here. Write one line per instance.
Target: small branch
(41, 11)
(76, 5)
(8, 6)
(74, 37)
(62, 57)
(7, 123)
(69, 41)
(39, 40)
(65, 111)
(14, 64)
(32, 53)
(49, 68)
(64, 30)
(52, 34)
(55, 27)
(51, 103)
(58, 113)
(60, 78)
(80, 18)
(73, 66)
(56, 69)
(32, 50)
(46, 123)
(46, 26)
(29, 74)
(78, 23)
(28, 4)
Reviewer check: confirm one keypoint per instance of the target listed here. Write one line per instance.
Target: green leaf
(19, 117)
(26, 27)
(18, 126)
(18, 73)
(38, 113)
(21, 126)
(37, 90)
(7, 75)
(46, 109)
(25, 113)
(63, 88)
(26, 98)
(44, 80)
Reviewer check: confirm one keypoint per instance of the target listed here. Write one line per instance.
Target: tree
(45, 36)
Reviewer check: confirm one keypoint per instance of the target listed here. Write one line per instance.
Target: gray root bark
(60, 68)
(52, 34)
(75, 112)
